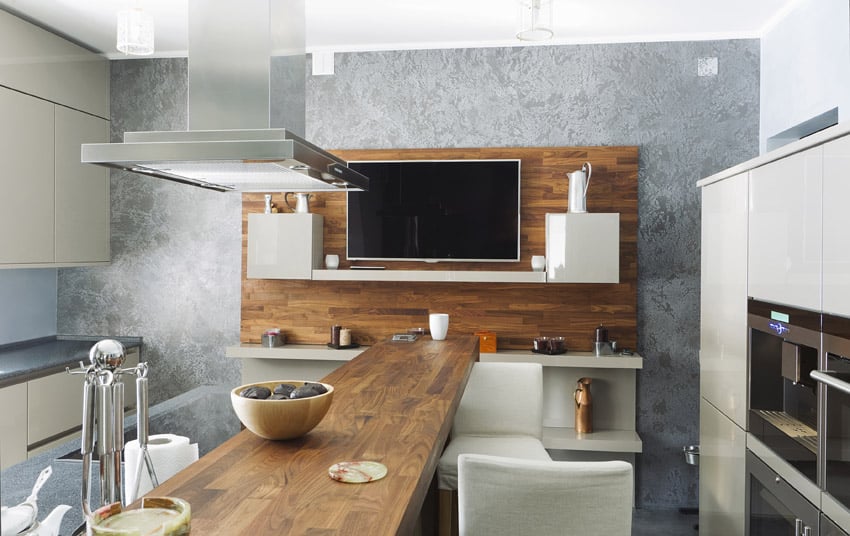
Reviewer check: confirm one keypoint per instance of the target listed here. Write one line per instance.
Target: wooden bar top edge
(393, 404)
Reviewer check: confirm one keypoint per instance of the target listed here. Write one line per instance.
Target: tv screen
(436, 210)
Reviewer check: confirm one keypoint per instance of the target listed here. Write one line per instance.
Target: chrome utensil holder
(103, 421)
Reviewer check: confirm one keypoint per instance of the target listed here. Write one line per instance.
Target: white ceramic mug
(439, 324)
(538, 263)
(331, 262)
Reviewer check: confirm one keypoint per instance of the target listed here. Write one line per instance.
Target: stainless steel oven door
(835, 427)
(774, 508)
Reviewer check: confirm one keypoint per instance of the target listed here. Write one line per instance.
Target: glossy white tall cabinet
(723, 297)
(722, 474)
(785, 230)
(723, 356)
(836, 221)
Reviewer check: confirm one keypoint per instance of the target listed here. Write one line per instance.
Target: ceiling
(362, 25)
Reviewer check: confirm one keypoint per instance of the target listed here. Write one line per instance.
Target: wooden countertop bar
(393, 404)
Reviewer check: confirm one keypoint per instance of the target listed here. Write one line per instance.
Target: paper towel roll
(170, 453)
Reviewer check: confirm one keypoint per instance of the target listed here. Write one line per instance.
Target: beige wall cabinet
(54, 96)
(55, 210)
(81, 190)
(26, 180)
(37, 62)
(13, 425)
(284, 246)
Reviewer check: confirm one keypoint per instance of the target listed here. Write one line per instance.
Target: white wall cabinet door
(723, 306)
(836, 239)
(82, 190)
(13, 425)
(284, 246)
(26, 179)
(722, 474)
(785, 231)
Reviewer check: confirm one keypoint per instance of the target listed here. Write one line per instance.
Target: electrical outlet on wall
(707, 66)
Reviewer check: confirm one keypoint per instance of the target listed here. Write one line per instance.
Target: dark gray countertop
(204, 415)
(27, 360)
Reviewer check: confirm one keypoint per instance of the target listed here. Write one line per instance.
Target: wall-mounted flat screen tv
(436, 210)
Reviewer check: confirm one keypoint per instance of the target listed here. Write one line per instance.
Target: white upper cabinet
(26, 179)
(723, 305)
(785, 231)
(284, 246)
(836, 239)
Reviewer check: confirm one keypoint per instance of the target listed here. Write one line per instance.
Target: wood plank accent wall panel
(305, 310)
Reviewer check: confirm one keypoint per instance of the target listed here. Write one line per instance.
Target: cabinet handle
(798, 527)
(807, 531)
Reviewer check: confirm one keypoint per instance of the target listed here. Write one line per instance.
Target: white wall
(805, 66)
(27, 304)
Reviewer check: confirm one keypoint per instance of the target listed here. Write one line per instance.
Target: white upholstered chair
(501, 414)
(500, 496)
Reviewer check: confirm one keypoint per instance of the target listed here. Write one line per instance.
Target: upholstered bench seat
(525, 447)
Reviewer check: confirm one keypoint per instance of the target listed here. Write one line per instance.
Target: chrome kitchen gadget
(602, 345)
(103, 421)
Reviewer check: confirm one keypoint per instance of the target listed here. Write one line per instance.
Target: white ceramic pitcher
(302, 202)
(579, 181)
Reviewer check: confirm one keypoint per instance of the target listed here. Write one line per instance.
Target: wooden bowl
(281, 419)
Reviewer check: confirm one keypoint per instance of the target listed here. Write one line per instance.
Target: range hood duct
(231, 144)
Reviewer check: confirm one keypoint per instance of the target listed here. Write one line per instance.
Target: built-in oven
(775, 508)
(835, 426)
(784, 348)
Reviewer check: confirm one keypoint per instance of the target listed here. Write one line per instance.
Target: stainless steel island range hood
(231, 145)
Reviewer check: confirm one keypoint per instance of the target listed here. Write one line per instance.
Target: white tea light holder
(439, 324)
(331, 262)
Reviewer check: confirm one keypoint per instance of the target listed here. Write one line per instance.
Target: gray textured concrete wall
(649, 95)
(175, 273)
(175, 276)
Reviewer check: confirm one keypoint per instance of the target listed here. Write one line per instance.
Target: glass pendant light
(135, 32)
(535, 20)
